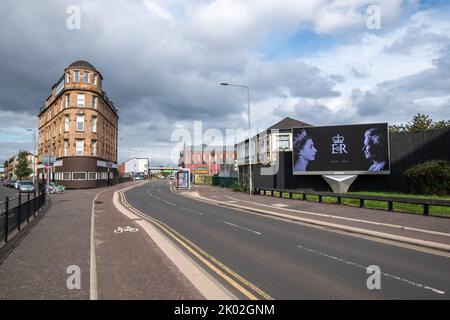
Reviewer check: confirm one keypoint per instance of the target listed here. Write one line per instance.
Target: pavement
(423, 228)
(50, 254)
(129, 264)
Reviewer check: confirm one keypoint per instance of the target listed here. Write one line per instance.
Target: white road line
(235, 225)
(231, 198)
(365, 268)
(231, 201)
(157, 197)
(196, 212)
(280, 205)
(172, 204)
(93, 285)
(444, 234)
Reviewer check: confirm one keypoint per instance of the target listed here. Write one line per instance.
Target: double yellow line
(241, 284)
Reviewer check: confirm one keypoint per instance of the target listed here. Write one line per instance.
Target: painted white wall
(137, 165)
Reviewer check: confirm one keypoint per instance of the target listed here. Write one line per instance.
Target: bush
(239, 186)
(431, 177)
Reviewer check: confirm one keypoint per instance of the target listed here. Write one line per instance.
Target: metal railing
(425, 203)
(18, 210)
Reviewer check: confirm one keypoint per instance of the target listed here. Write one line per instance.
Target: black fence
(18, 210)
(425, 203)
(224, 182)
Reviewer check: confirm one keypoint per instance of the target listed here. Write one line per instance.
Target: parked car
(16, 184)
(139, 176)
(26, 186)
(11, 183)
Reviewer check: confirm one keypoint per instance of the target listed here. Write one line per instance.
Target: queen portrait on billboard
(304, 150)
(375, 149)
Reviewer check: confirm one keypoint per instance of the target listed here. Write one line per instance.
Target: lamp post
(249, 133)
(34, 156)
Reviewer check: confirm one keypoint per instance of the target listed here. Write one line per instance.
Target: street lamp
(34, 156)
(249, 134)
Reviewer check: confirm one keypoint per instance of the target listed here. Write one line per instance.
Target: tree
(396, 128)
(22, 168)
(420, 122)
(441, 124)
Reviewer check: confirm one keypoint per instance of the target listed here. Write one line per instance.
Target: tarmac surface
(129, 266)
(275, 258)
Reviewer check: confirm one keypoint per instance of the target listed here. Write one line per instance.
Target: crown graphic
(338, 139)
(300, 136)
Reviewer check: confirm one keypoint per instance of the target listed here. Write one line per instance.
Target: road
(13, 195)
(261, 257)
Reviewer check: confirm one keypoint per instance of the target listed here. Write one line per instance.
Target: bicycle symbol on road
(125, 229)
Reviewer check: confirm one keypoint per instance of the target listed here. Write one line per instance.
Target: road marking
(93, 286)
(125, 229)
(438, 233)
(365, 268)
(240, 227)
(157, 197)
(231, 201)
(279, 205)
(196, 212)
(203, 256)
(172, 204)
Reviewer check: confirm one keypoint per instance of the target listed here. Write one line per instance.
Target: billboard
(346, 149)
(183, 179)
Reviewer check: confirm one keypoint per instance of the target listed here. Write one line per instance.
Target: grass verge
(382, 205)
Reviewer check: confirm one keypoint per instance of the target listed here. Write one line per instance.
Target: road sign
(48, 159)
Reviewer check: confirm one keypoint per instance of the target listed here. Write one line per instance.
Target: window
(67, 77)
(86, 77)
(79, 147)
(67, 100)
(66, 148)
(80, 122)
(283, 142)
(66, 175)
(78, 175)
(92, 175)
(95, 79)
(94, 102)
(66, 123)
(94, 148)
(80, 100)
(94, 124)
(76, 76)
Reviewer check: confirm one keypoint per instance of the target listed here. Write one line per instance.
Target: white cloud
(163, 60)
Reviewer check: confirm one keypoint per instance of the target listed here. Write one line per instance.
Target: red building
(206, 160)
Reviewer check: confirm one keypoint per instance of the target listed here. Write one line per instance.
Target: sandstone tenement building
(78, 125)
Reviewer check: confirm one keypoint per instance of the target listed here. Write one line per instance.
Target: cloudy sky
(320, 61)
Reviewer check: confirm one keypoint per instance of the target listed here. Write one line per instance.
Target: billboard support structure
(339, 183)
